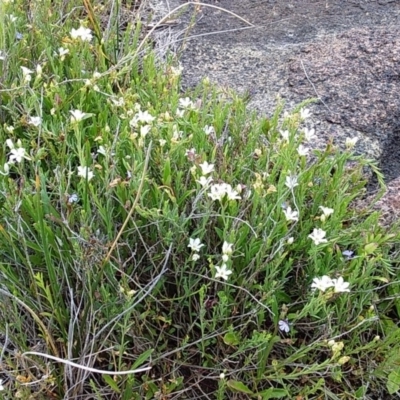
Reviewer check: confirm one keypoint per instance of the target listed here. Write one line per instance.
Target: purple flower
(348, 254)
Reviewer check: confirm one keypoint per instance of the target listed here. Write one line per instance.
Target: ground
(346, 53)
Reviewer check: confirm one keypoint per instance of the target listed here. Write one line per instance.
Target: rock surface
(346, 53)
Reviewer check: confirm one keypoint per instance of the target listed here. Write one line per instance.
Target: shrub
(156, 244)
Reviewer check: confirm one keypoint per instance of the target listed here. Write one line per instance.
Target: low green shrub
(178, 234)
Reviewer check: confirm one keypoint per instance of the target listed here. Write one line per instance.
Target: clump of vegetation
(165, 245)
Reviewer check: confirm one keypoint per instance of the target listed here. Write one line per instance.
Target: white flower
(290, 214)
(180, 113)
(77, 115)
(340, 285)
(195, 244)
(26, 73)
(291, 181)
(186, 103)
(12, 17)
(206, 168)
(290, 240)
(208, 130)
(118, 101)
(145, 117)
(195, 256)
(144, 130)
(285, 135)
(231, 193)
(225, 258)
(221, 375)
(39, 70)
(350, 143)
(302, 151)
(217, 192)
(322, 284)
(104, 151)
(222, 272)
(326, 211)
(1, 385)
(9, 128)
(318, 236)
(74, 198)
(2, 56)
(17, 155)
(62, 53)
(284, 325)
(82, 33)
(227, 248)
(305, 113)
(204, 181)
(10, 143)
(35, 121)
(309, 134)
(85, 172)
(101, 150)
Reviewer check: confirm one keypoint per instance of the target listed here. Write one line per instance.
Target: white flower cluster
(223, 271)
(82, 33)
(219, 190)
(17, 153)
(325, 282)
(195, 245)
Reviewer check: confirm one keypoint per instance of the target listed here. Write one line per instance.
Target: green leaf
(361, 392)
(273, 393)
(167, 172)
(238, 387)
(110, 382)
(231, 339)
(393, 383)
(370, 247)
(142, 358)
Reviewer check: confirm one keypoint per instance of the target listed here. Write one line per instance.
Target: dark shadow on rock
(389, 161)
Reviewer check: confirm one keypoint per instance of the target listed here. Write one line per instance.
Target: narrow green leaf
(273, 393)
(167, 172)
(142, 358)
(238, 387)
(110, 382)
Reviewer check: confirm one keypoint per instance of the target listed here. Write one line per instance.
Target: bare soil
(344, 52)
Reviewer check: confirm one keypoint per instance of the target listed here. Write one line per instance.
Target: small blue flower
(348, 254)
(18, 36)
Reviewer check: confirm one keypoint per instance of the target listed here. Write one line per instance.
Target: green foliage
(156, 244)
